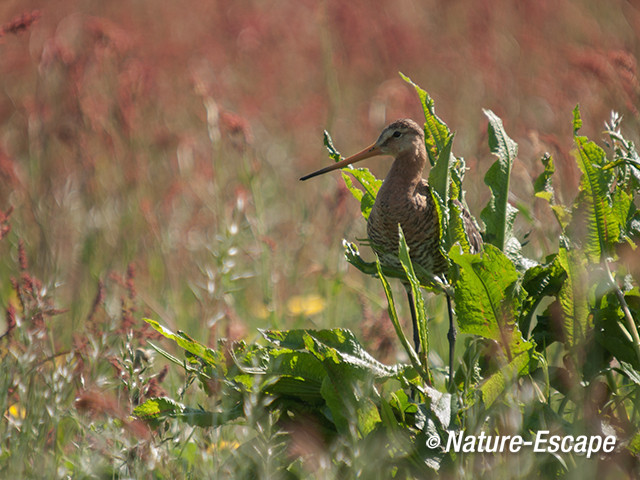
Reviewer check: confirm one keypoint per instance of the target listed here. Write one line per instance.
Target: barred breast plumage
(418, 218)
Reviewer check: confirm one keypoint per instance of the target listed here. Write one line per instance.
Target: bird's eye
(397, 134)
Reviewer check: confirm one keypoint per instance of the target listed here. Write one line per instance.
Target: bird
(405, 199)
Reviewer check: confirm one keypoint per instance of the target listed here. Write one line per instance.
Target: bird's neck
(406, 171)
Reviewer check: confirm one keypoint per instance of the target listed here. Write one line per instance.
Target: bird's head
(400, 137)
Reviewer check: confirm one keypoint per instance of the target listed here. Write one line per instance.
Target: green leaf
(539, 281)
(298, 364)
(634, 444)
(611, 332)
(440, 176)
(573, 296)
(543, 186)
(328, 142)
(624, 210)
(577, 120)
(427, 280)
(350, 374)
(486, 299)
(185, 342)
(155, 410)
(352, 254)
(593, 216)
(437, 133)
(495, 385)
(442, 210)
(457, 233)
(405, 261)
(393, 315)
(339, 344)
(499, 215)
(369, 182)
(630, 372)
(347, 408)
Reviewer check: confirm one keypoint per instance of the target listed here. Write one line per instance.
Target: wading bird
(405, 199)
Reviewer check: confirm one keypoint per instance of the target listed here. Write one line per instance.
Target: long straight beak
(370, 151)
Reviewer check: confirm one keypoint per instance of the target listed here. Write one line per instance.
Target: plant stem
(393, 315)
(631, 324)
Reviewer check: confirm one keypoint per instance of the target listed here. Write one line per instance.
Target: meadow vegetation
(175, 304)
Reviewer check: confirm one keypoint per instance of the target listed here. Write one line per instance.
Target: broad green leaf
(183, 341)
(634, 444)
(347, 386)
(547, 330)
(457, 233)
(443, 218)
(593, 216)
(340, 344)
(577, 119)
(499, 215)
(301, 389)
(367, 180)
(423, 334)
(437, 134)
(494, 386)
(370, 184)
(439, 176)
(299, 364)
(440, 405)
(539, 282)
(291, 339)
(613, 338)
(630, 372)
(347, 408)
(624, 211)
(542, 186)
(486, 299)
(156, 409)
(355, 191)
(352, 254)
(611, 330)
(573, 296)
(337, 402)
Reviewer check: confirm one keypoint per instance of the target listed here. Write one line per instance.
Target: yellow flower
(223, 445)
(16, 412)
(305, 304)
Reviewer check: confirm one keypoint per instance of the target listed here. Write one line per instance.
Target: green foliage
(519, 308)
(543, 188)
(499, 214)
(488, 300)
(541, 337)
(321, 374)
(594, 218)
